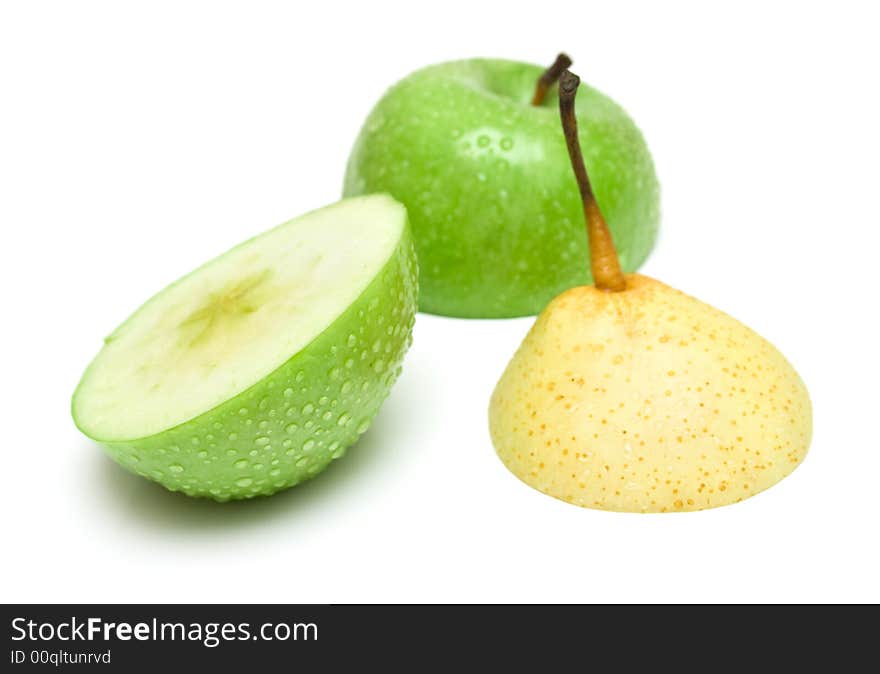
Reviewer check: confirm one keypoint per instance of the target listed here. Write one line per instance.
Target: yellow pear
(632, 396)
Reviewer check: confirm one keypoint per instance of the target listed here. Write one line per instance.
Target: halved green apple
(255, 371)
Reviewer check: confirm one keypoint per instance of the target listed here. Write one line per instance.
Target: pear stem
(549, 77)
(604, 263)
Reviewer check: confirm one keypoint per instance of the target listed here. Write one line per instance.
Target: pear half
(255, 371)
(631, 396)
(647, 400)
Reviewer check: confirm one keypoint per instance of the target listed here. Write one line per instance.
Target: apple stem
(549, 77)
(604, 263)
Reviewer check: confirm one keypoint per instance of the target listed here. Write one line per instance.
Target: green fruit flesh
(256, 370)
(485, 176)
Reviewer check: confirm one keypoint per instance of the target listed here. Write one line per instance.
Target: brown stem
(548, 79)
(603, 256)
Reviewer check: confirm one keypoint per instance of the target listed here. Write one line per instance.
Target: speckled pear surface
(648, 400)
(484, 175)
(290, 424)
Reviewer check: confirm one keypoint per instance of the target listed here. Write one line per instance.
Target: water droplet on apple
(241, 464)
(308, 408)
(244, 482)
(175, 468)
(262, 441)
(483, 141)
(308, 445)
(506, 143)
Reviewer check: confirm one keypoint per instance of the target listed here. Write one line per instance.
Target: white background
(135, 143)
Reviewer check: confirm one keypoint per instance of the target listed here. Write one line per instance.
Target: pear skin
(647, 400)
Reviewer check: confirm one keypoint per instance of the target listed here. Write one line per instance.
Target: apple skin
(485, 176)
(290, 425)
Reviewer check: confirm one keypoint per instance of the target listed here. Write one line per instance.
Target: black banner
(128, 638)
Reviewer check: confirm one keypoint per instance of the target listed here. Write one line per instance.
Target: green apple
(255, 371)
(484, 175)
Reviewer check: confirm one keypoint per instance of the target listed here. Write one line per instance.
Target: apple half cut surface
(255, 371)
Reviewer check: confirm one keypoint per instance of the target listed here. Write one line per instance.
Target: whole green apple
(255, 371)
(483, 172)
